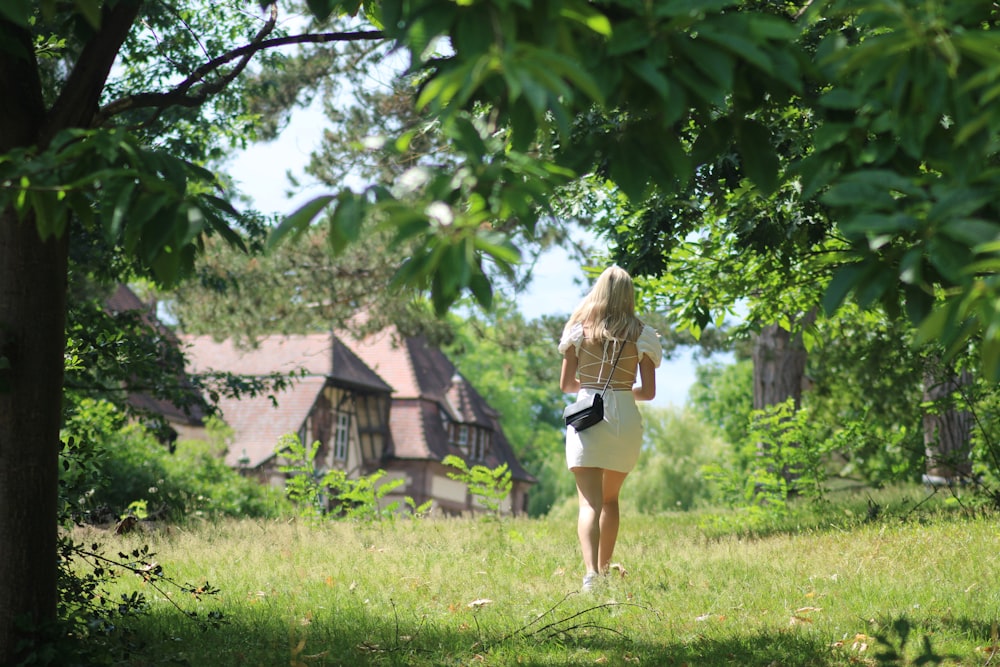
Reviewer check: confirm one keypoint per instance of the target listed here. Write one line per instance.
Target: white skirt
(612, 444)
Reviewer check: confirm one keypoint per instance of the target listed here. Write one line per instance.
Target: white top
(591, 366)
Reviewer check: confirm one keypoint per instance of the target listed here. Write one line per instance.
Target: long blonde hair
(608, 311)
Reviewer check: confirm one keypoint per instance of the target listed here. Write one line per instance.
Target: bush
(110, 465)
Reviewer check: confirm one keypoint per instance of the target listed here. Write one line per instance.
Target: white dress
(615, 442)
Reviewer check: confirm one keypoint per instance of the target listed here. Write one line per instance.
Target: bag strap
(613, 366)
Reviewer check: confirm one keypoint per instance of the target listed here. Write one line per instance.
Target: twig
(606, 605)
(915, 507)
(150, 576)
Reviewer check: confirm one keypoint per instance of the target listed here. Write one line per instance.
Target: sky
(261, 170)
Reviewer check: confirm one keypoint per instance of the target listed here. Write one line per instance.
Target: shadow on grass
(164, 639)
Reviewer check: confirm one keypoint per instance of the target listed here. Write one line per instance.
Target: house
(384, 402)
(183, 416)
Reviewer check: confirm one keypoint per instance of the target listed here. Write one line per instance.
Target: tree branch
(77, 103)
(186, 94)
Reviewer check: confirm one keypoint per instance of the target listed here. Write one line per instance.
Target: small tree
(489, 486)
(332, 494)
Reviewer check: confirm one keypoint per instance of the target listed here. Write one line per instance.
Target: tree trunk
(32, 341)
(946, 430)
(779, 365)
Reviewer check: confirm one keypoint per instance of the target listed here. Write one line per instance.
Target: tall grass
(915, 588)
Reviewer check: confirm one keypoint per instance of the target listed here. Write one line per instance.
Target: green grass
(828, 589)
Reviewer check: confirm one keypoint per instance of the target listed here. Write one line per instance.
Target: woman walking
(605, 339)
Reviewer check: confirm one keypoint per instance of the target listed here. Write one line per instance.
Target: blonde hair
(608, 311)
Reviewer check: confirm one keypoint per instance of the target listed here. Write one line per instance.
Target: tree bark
(33, 276)
(947, 430)
(32, 340)
(779, 365)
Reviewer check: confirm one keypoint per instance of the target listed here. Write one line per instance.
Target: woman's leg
(589, 483)
(612, 485)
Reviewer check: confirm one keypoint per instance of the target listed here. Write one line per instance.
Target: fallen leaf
(797, 620)
(600, 661)
(861, 642)
(481, 602)
(618, 567)
(806, 610)
(703, 617)
(560, 571)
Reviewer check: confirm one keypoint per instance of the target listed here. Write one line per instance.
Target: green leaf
(649, 73)
(971, 231)
(948, 257)
(629, 36)
(841, 98)
(760, 163)
(829, 135)
(467, 138)
(346, 221)
(121, 210)
(730, 37)
(589, 17)
(918, 303)
(867, 224)
(711, 60)
(690, 8)
(17, 11)
(297, 222)
(844, 280)
(50, 218)
(321, 9)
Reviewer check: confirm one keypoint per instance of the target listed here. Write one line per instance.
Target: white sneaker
(590, 581)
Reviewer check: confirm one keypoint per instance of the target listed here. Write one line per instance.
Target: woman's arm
(647, 373)
(568, 381)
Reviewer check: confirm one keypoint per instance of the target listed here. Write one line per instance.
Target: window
(463, 436)
(480, 444)
(341, 436)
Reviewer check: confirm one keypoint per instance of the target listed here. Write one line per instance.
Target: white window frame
(341, 436)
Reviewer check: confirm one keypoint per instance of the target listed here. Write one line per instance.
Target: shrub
(108, 465)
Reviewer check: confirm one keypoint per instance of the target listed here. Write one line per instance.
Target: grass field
(913, 587)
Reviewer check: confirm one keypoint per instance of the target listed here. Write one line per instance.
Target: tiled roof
(425, 381)
(386, 354)
(314, 354)
(422, 380)
(258, 424)
(124, 300)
